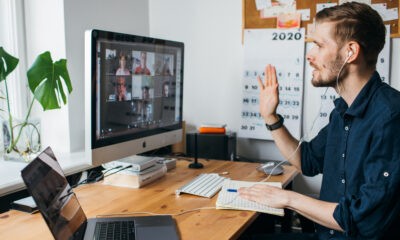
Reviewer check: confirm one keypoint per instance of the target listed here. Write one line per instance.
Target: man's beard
(331, 78)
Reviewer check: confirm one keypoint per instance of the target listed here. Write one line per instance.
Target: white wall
(127, 16)
(213, 54)
(211, 31)
(12, 39)
(59, 26)
(44, 31)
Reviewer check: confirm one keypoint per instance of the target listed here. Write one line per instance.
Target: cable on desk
(282, 162)
(156, 214)
(119, 170)
(302, 139)
(95, 177)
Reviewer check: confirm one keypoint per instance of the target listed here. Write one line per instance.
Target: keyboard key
(115, 230)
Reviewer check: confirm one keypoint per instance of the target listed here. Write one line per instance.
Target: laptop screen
(53, 195)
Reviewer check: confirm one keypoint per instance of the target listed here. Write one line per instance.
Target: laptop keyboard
(115, 230)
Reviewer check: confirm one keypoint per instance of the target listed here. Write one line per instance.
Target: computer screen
(133, 94)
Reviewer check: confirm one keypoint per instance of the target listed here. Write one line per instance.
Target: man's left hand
(267, 195)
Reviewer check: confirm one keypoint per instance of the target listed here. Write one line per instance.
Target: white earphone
(350, 54)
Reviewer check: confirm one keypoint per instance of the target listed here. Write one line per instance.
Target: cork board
(252, 19)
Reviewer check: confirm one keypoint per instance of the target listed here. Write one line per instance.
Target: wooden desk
(158, 197)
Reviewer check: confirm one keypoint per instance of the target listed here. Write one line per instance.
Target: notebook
(65, 218)
(228, 198)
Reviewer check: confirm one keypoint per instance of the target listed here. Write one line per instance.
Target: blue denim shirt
(358, 153)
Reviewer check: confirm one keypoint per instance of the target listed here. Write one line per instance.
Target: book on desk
(136, 179)
(137, 163)
(228, 199)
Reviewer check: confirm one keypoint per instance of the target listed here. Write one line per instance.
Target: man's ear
(353, 51)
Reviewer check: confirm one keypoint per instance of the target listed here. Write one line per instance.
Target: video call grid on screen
(138, 87)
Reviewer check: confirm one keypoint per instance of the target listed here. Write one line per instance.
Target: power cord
(119, 170)
(302, 139)
(315, 119)
(98, 176)
(157, 214)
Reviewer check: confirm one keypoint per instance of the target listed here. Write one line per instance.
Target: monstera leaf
(47, 81)
(7, 64)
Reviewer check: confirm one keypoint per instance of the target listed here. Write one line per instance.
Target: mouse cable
(157, 214)
(302, 139)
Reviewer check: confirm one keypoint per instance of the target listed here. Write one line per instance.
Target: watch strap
(276, 125)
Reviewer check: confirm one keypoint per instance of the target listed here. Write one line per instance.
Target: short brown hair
(357, 22)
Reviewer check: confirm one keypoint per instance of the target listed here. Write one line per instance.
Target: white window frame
(12, 38)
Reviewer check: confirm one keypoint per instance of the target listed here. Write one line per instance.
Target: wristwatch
(276, 125)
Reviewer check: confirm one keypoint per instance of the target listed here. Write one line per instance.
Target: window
(12, 39)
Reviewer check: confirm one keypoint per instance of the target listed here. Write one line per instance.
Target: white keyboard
(205, 185)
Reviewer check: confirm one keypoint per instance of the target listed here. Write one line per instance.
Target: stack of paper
(228, 199)
(135, 179)
(25, 204)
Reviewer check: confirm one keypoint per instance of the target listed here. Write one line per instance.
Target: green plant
(47, 81)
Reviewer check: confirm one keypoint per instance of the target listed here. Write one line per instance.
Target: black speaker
(212, 146)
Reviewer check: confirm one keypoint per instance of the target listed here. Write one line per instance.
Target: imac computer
(133, 94)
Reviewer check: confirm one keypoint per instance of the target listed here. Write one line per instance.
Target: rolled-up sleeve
(313, 153)
(376, 207)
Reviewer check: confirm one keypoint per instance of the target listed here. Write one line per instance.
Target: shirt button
(331, 232)
(386, 174)
(343, 181)
(346, 128)
(343, 155)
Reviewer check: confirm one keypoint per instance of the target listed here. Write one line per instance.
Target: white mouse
(271, 168)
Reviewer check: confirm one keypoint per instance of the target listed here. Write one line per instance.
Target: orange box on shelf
(211, 130)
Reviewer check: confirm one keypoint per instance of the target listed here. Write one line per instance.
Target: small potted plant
(48, 81)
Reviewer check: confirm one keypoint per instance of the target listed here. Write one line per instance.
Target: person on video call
(165, 89)
(122, 70)
(145, 106)
(121, 92)
(142, 68)
(358, 151)
(166, 71)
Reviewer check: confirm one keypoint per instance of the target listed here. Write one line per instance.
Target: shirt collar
(359, 105)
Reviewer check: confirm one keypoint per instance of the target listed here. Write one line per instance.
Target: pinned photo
(288, 20)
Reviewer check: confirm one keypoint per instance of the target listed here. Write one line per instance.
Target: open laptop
(64, 216)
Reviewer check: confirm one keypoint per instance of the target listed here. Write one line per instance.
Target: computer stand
(195, 164)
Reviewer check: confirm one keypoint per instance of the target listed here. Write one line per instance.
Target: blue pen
(231, 190)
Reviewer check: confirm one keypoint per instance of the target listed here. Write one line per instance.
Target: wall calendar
(283, 48)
